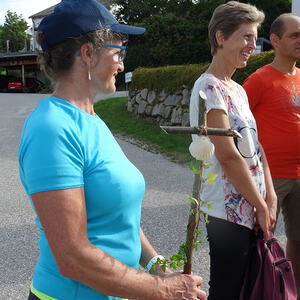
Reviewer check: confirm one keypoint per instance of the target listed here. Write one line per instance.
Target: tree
(2, 49)
(135, 11)
(106, 3)
(14, 30)
(176, 30)
(272, 9)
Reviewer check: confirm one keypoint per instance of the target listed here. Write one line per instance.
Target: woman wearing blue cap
(85, 192)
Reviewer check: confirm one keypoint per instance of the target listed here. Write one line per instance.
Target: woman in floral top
(243, 193)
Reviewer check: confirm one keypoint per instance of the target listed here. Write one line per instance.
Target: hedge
(171, 78)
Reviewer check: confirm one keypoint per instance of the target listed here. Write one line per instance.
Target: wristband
(153, 261)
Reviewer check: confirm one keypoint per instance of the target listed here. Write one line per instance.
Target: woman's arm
(271, 197)
(236, 169)
(148, 253)
(62, 214)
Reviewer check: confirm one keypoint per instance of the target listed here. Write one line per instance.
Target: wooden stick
(198, 129)
(195, 214)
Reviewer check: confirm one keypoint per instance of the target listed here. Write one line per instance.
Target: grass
(145, 133)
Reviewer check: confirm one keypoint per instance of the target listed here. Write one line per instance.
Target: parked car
(15, 85)
(4, 80)
(32, 85)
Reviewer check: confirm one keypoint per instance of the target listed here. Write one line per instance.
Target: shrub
(171, 78)
(255, 62)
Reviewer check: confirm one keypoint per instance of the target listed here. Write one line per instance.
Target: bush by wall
(163, 93)
(171, 78)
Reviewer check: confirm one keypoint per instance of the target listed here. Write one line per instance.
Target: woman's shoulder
(208, 83)
(51, 118)
(207, 79)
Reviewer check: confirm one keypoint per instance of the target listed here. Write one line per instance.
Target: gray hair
(228, 18)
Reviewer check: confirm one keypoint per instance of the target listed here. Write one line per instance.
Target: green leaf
(209, 204)
(206, 218)
(198, 232)
(179, 264)
(192, 211)
(208, 165)
(159, 261)
(195, 166)
(173, 265)
(211, 178)
(193, 200)
(176, 257)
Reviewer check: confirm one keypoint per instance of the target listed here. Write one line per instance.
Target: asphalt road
(164, 213)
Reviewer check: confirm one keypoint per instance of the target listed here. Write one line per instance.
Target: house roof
(16, 59)
(10, 56)
(43, 13)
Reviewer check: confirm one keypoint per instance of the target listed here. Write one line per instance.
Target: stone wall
(166, 108)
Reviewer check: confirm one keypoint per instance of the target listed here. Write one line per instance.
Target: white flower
(202, 148)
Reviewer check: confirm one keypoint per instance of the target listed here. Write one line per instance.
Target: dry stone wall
(164, 107)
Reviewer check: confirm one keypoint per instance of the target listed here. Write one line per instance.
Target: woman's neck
(220, 69)
(76, 94)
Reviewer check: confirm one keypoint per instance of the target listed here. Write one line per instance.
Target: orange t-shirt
(274, 99)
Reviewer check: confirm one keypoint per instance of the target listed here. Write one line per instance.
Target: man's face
(289, 44)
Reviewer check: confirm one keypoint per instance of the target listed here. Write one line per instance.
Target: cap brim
(127, 29)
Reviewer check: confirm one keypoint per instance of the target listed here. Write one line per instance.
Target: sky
(25, 7)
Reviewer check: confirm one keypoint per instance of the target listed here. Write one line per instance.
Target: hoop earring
(89, 75)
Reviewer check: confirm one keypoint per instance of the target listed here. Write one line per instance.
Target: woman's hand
(271, 197)
(263, 219)
(271, 200)
(183, 287)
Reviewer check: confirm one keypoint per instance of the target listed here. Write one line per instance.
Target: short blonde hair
(228, 18)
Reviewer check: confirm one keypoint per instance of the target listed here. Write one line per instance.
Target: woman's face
(106, 69)
(240, 45)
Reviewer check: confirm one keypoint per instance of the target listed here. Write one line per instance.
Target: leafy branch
(181, 257)
(201, 149)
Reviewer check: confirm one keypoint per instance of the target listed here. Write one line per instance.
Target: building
(296, 7)
(25, 62)
(36, 20)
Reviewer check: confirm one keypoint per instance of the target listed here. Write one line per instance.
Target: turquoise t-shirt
(63, 147)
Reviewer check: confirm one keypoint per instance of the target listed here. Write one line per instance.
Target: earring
(89, 75)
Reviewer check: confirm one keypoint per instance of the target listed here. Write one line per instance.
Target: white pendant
(202, 148)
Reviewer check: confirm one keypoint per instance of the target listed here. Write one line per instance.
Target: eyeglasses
(122, 53)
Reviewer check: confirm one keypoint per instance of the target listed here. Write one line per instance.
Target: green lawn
(113, 112)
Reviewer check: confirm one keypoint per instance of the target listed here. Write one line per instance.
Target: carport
(25, 62)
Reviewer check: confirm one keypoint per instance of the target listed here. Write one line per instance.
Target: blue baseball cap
(72, 18)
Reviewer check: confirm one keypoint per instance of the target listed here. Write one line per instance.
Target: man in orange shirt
(274, 98)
